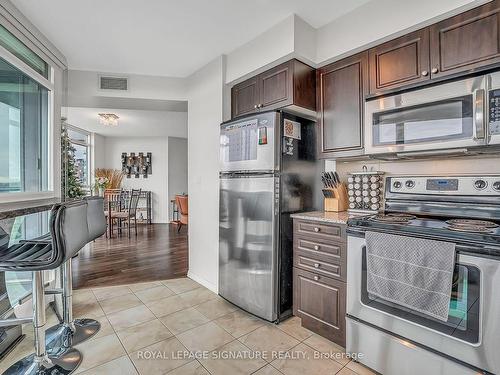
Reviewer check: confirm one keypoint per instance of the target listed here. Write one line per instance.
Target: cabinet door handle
(261, 105)
(434, 70)
(316, 229)
(316, 265)
(316, 278)
(424, 73)
(316, 247)
(256, 106)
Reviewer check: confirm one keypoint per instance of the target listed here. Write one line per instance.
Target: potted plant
(101, 183)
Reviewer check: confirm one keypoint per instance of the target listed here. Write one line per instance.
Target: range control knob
(496, 186)
(410, 184)
(397, 184)
(480, 184)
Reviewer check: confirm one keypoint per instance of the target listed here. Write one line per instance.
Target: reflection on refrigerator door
(247, 253)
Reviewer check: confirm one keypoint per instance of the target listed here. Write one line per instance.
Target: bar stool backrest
(70, 229)
(95, 217)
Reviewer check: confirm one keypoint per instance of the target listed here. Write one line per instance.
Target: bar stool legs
(40, 363)
(71, 331)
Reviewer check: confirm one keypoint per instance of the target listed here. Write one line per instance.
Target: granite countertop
(14, 209)
(328, 217)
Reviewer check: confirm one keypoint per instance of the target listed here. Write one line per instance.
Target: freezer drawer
(248, 244)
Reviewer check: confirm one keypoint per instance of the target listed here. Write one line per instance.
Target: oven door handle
(479, 123)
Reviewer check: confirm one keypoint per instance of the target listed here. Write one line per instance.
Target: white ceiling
(132, 123)
(164, 37)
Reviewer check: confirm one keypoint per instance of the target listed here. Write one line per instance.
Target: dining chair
(113, 202)
(128, 214)
(182, 205)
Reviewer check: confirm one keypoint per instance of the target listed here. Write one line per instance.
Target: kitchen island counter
(15, 209)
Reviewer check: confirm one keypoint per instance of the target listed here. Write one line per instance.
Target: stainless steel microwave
(457, 115)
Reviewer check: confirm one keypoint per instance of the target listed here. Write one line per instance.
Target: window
(80, 144)
(23, 53)
(24, 132)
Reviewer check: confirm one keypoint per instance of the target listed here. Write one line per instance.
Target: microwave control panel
(494, 111)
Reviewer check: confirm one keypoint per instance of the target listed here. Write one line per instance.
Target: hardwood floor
(157, 253)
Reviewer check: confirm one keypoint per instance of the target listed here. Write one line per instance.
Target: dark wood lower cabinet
(320, 302)
(319, 277)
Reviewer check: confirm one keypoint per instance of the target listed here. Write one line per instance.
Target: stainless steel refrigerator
(268, 171)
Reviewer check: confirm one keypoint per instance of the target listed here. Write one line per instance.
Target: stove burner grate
(470, 229)
(394, 218)
(470, 225)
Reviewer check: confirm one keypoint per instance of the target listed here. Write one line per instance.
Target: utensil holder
(340, 202)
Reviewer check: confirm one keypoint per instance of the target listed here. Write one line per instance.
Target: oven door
(446, 116)
(471, 333)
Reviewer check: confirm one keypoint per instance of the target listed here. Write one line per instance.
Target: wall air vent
(113, 83)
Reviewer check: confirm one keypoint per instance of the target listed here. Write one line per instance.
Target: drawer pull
(316, 265)
(316, 278)
(316, 229)
(316, 247)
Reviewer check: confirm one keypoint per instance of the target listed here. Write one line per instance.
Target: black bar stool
(71, 331)
(69, 231)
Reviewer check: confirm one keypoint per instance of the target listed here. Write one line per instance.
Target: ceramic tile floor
(178, 327)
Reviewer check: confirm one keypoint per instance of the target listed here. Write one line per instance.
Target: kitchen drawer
(334, 251)
(320, 263)
(320, 231)
(320, 302)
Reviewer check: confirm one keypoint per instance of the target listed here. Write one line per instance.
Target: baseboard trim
(202, 281)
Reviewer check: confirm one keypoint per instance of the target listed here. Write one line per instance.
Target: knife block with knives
(334, 192)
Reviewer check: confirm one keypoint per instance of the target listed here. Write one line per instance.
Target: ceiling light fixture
(108, 119)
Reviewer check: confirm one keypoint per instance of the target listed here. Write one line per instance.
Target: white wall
(131, 122)
(157, 182)
(205, 98)
(274, 44)
(98, 153)
(177, 168)
(84, 84)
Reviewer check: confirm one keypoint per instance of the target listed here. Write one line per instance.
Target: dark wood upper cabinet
(466, 42)
(245, 97)
(288, 84)
(400, 62)
(341, 88)
(276, 86)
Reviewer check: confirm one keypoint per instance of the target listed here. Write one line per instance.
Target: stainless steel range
(464, 210)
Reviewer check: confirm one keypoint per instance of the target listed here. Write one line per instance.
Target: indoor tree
(71, 186)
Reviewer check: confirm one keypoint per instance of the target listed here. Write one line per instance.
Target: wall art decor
(136, 165)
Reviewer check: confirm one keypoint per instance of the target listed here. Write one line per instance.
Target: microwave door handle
(479, 115)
